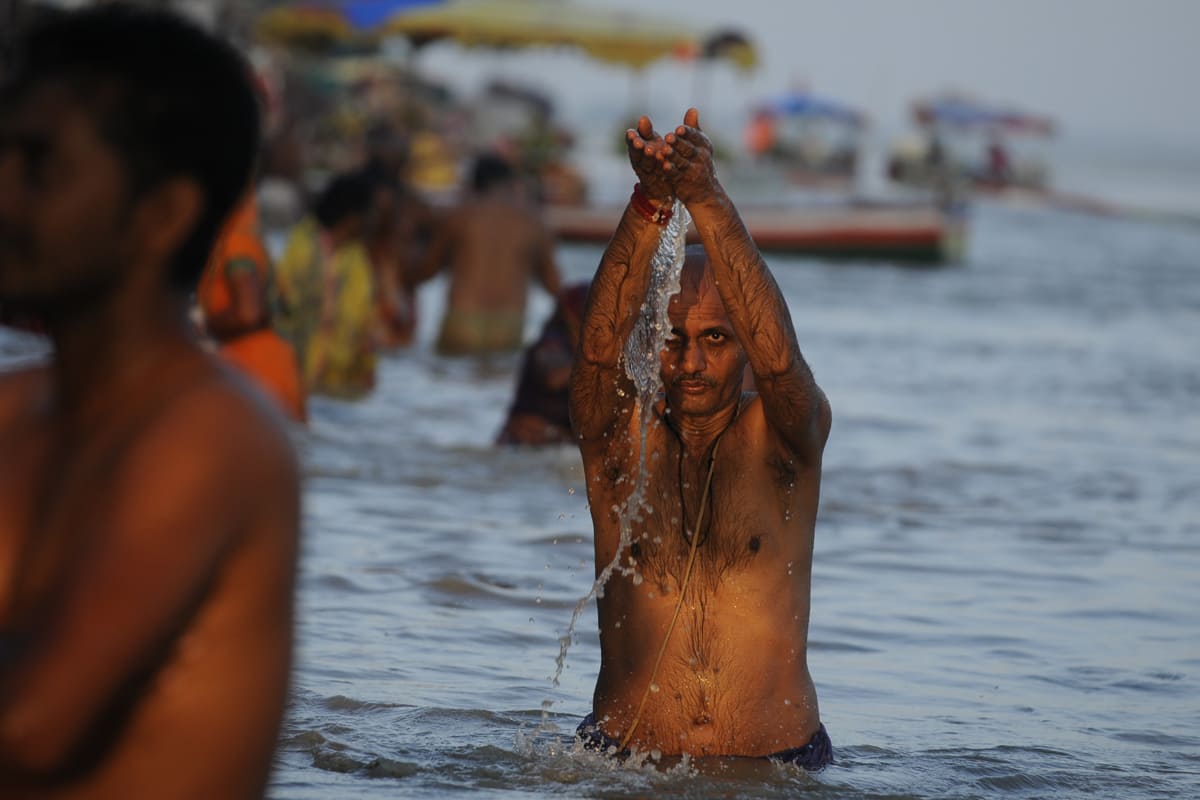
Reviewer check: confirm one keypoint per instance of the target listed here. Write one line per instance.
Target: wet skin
(492, 246)
(734, 678)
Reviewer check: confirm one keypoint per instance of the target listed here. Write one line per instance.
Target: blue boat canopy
(808, 104)
(964, 112)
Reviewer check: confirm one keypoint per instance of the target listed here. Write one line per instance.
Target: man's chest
(733, 509)
(50, 496)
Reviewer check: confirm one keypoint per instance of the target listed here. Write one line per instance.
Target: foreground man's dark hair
(172, 99)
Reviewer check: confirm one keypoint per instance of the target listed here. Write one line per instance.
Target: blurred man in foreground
(704, 616)
(148, 502)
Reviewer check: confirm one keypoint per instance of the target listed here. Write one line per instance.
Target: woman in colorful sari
(234, 296)
(328, 294)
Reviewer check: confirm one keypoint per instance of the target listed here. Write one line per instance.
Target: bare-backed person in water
(149, 498)
(493, 245)
(705, 651)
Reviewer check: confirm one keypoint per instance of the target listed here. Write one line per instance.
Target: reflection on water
(1005, 584)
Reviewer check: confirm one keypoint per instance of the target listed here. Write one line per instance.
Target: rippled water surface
(1006, 586)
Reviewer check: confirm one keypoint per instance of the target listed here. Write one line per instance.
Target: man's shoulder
(220, 420)
(754, 435)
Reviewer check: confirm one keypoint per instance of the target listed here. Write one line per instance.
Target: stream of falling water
(642, 366)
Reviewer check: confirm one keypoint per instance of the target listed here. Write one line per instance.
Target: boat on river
(973, 145)
(918, 232)
(812, 139)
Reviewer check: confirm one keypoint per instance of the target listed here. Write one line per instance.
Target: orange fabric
(239, 240)
(263, 354)
(760, 134)
(271, 361)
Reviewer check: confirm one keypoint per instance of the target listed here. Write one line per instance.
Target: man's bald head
(698, 295)
(696, 274)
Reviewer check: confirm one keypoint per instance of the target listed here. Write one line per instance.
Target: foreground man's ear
(167, 215)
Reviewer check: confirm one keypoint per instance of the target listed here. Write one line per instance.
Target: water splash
(652, 326)
(641, 357)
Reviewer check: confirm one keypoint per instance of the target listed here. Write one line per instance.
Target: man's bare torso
(734, 676)
(498, 248)
(200, 719)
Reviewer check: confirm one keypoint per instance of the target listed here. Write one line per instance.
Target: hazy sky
(1115, 71)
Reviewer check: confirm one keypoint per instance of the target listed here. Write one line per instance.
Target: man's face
(63, 200)
(702, 362)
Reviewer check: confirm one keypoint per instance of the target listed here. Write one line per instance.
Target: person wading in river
(704, 622)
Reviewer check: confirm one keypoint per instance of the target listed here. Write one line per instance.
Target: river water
(1006, 585)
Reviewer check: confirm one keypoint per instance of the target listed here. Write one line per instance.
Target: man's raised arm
(616, 295)
(793, 403)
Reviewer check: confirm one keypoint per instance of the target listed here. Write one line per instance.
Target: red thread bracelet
(659, 215)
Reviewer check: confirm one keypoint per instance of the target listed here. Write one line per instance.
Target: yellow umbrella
(310, 27)
(623, 37)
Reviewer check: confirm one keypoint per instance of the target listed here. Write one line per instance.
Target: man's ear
(167, 215)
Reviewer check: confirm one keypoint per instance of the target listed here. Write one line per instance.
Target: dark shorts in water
(814, 756)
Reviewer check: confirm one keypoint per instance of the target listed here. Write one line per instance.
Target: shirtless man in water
(708, 660)
(492, 245)
(148, 497)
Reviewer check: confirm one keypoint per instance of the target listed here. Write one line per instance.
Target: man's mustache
(694, 377)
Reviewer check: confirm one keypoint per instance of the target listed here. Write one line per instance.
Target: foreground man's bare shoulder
(230, 440)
